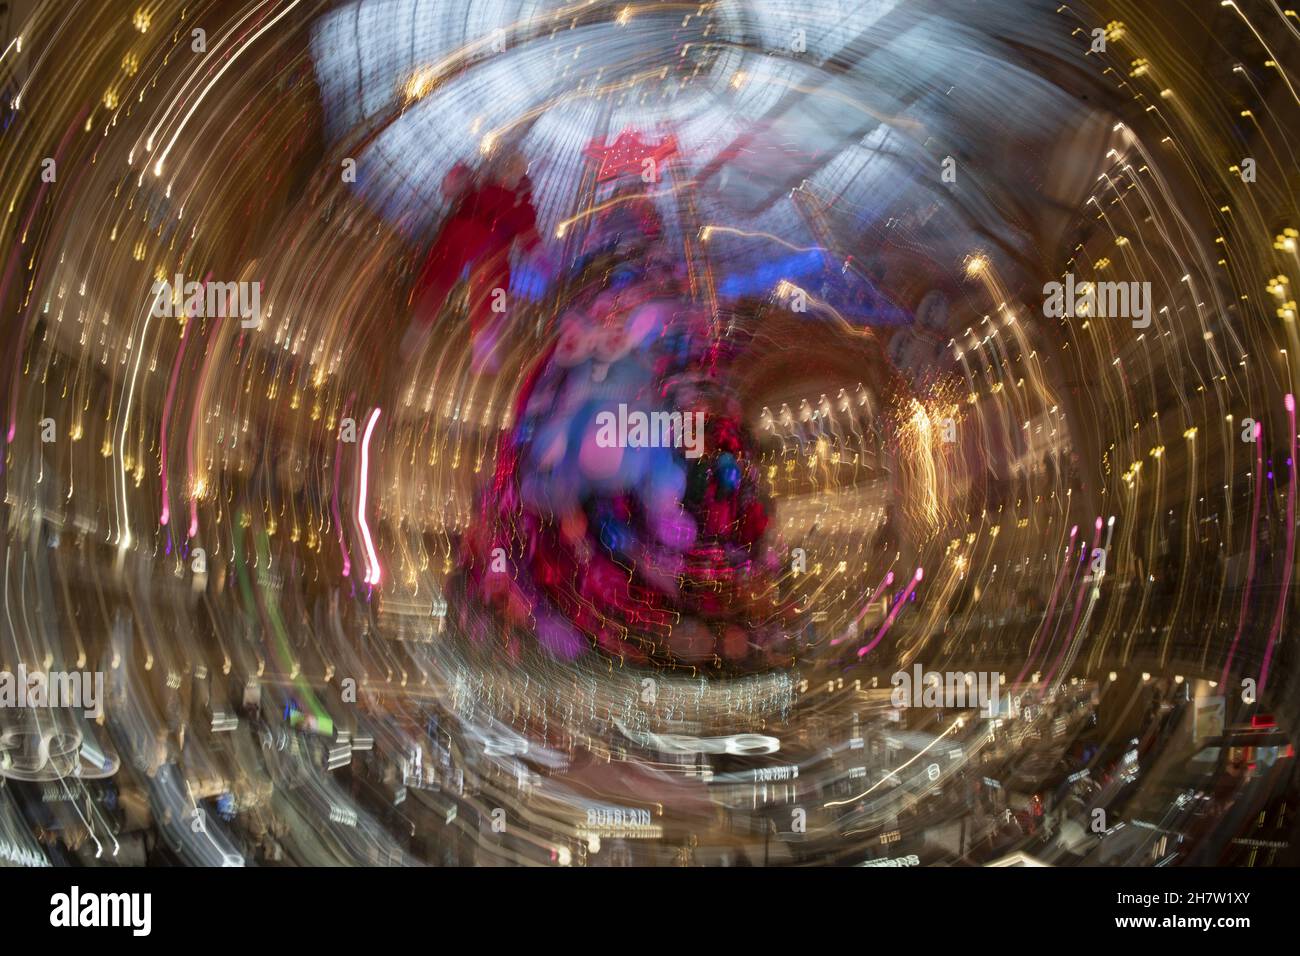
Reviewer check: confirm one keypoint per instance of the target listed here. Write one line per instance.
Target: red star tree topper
(628, 153)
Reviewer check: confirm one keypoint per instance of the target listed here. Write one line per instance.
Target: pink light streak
(1035, 646)
(1250, 566)
(889, 621)
(166, 420)
(373, 570)
(1289, 560)
(1068, 638)
(848, 631)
